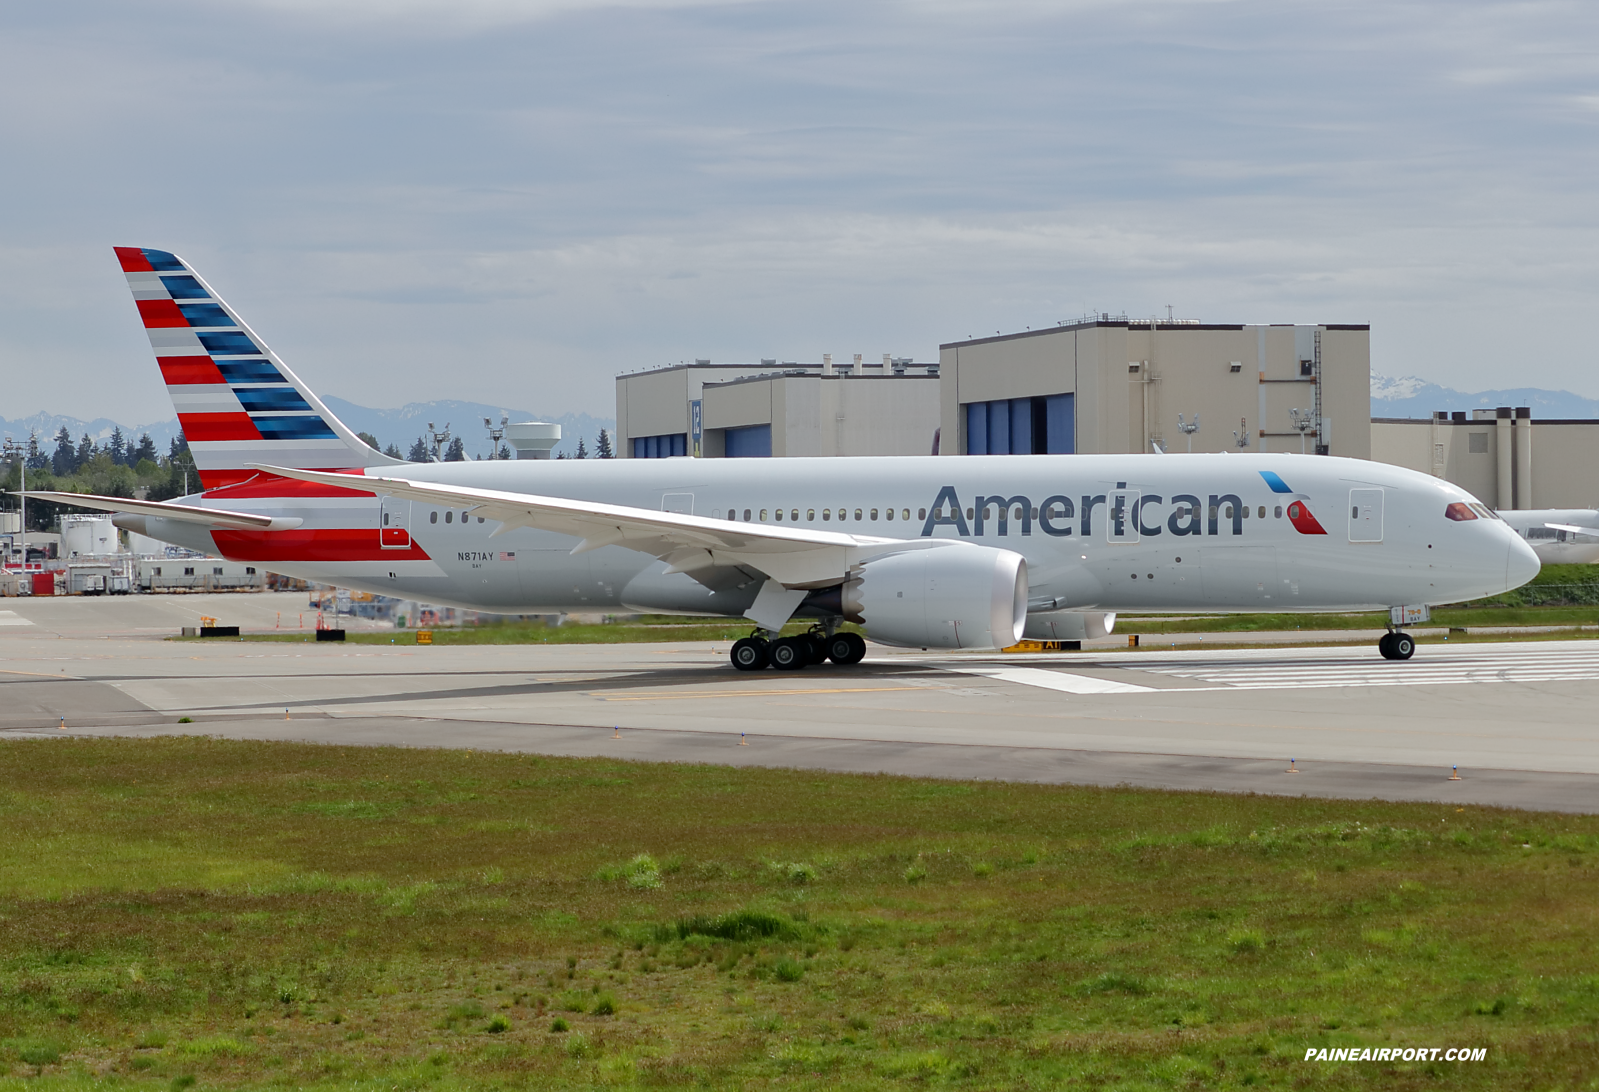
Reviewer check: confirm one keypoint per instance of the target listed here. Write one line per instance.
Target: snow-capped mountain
(1409, 396)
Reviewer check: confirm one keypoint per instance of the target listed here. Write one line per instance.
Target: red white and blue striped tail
(237, 402)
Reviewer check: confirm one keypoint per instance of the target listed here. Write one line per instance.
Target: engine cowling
(1067, 625)
(955, 595)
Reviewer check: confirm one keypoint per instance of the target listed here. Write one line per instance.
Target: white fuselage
(1099, 532)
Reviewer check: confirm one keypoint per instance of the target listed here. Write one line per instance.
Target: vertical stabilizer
(236, 401)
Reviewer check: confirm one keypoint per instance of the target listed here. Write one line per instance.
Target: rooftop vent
(702, 360)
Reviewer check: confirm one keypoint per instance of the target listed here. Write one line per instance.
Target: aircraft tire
(857, 647)
(816, 647)
(1385, 645)
(1403, 646)
(790, 653)
(749, 654)
(840, 648)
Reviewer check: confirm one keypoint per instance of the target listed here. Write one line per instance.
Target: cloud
(498, 200)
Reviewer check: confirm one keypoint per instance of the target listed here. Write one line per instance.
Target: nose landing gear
(1397, 646)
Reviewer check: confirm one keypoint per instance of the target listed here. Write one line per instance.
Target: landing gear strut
(798, 652)
(1397, 646)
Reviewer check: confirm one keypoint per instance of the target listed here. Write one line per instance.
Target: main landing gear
(1397, 646)
(798, 652)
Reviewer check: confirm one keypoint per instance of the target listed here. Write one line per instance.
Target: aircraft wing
(218, 518)
(795, 557)
(1571, 528)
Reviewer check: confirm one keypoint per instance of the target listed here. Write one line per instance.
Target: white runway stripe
(1054, 680)
(1513, 666)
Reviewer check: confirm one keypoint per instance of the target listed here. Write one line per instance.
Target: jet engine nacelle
(1068, 625)
(957, 595)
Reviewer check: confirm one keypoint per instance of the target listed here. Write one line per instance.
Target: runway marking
(754, 693)
(1055, 680)
(1510, 666)
(12, 618)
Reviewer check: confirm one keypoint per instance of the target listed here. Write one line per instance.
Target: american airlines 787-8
(975, 552)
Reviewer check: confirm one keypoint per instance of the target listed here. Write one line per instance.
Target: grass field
(224, 914)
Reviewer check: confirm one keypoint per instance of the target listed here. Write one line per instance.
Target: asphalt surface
(1515, 718)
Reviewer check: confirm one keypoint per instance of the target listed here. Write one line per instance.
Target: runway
(1516, 718)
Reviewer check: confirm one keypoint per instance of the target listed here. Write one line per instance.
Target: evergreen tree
(419, 451)
(117, 446)
(505, 452)
(603, 446)
(65, 460)
(178, 448)
(86, 451)
(37, 459)
(456, 452)
(582, 452)
(144, 450)
(393, 452)
(369, 440)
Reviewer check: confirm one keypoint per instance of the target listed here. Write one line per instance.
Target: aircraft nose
(1521, 564)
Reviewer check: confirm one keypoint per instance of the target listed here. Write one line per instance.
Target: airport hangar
(1105, 384)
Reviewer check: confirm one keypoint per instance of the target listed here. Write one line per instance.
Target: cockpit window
(1460, 511)
(1484, 511)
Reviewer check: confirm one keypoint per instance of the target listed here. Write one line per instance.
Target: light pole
(1241, 433)
(439, 439)
(1304, 421)
(495, 434)
(14, 450)
(1188, 430)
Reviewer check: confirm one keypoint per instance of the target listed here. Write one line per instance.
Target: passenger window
(810, 514)
(763, 515)
(1354, 512)
(827, 513)
(746, 515)
(449, 517)
(921, 513)
(971, 513)
(1035, 513)
(1277, 513)
(779, 515)
(874, 514)
(793, 515)
(385, 519)
(1017, 515)
(433, 517)
(906, 513)
(1262, 513)
(889, 514)
(857, 513)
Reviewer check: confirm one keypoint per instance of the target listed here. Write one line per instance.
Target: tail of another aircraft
(237, 402)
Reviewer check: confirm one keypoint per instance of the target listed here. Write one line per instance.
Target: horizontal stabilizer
(219, 518)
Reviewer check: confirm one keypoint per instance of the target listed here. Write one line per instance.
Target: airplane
(1559, 536)
(977, 552)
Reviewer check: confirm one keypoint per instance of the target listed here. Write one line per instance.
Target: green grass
(237, 914)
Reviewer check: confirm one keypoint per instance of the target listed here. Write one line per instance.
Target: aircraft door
(394, 521)
(1365, 515)
(681, 503)
(1121, 509)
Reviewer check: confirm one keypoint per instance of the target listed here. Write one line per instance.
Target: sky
(511, 202)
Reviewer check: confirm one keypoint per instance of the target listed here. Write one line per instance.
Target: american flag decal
(507, 555)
